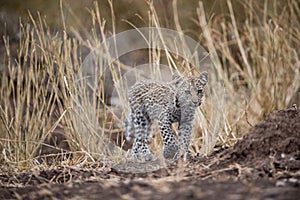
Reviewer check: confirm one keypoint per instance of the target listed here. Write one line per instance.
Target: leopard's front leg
(171, 148)
(184, 137)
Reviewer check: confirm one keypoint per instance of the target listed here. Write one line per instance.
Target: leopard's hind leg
(129, 127)
(142, 126)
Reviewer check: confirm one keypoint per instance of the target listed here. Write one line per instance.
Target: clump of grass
(29, 93)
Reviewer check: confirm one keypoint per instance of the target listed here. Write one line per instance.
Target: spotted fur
(175, 101)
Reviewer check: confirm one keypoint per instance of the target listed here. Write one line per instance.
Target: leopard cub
(174, 101)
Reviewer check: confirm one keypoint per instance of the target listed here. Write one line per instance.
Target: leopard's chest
(175, 112)
(176, 116)
(183, 114)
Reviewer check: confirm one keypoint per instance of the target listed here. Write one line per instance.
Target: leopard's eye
(200, 91)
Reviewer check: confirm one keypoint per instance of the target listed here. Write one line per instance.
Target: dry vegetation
(256, 60)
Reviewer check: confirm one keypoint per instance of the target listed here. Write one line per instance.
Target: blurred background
(76, 13)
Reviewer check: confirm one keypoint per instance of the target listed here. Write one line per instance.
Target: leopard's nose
(196, 103)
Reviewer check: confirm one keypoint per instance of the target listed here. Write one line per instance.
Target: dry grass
(258, 60)
(256, 71)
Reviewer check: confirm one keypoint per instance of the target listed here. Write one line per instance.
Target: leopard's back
(151, 96)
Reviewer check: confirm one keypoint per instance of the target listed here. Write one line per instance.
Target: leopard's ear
(204, 77)
(176, 78)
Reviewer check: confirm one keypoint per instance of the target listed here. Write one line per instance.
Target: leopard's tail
(129, 127)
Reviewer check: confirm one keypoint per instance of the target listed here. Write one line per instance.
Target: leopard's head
(190, 89)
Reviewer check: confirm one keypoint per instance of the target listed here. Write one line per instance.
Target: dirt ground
(265, 164)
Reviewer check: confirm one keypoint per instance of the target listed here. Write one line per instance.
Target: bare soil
(265, 164)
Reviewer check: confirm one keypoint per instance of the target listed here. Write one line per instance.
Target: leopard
(175, 101)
